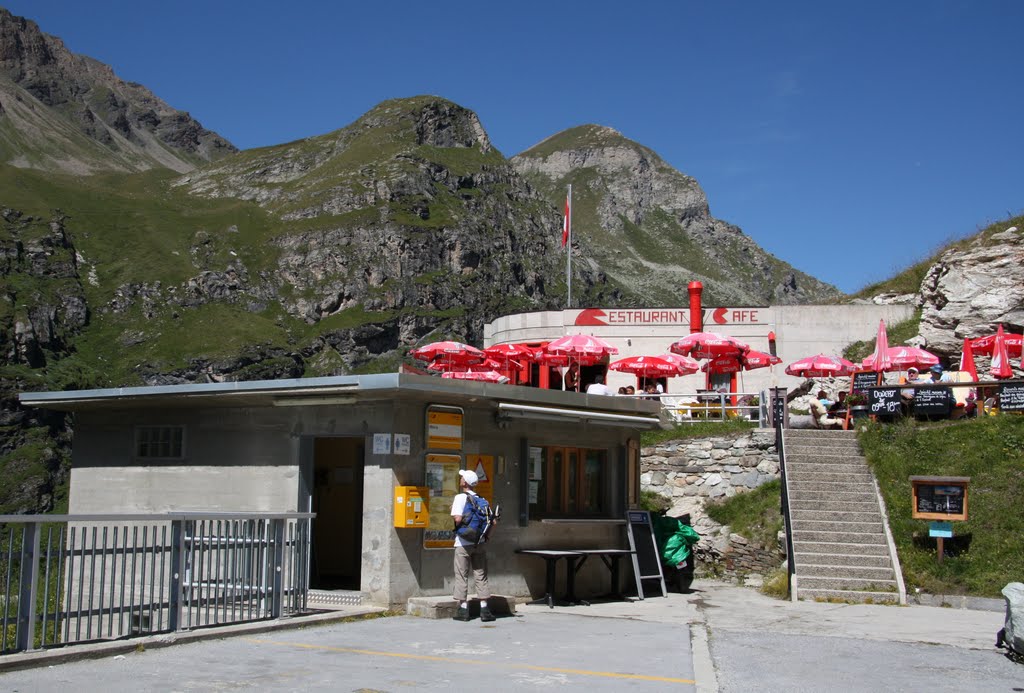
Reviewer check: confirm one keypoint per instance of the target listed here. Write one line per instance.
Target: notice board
(442, 483)
(1011, 397)
(933, 401)
(862, 380)
(884, 401)
(646, 561)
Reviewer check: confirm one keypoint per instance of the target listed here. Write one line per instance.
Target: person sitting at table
(938, 375)
(838, 408)
(598, 387)
(907, 393)
(630, 390)
(820, 414)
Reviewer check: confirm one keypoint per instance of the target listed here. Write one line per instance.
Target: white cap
(470, 476)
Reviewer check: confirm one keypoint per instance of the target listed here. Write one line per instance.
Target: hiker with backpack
(474, 520)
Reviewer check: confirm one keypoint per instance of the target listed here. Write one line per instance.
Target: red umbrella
(645, 367)
(684, 364)
(450, 352)
(903, 357)
(446, 367)
(879, 360)
(485, 376)
(1000, 367)
(821, 366)
(747, 361)
(967, 360)
(985, 345)
(707, 345)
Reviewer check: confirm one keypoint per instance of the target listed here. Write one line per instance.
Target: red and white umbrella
(986, 344)
(445, 367)
(967, 360)
(746, 361)
(707, 345)
(645, 367)
(903, 357)
(821, 366)
(1000, 367)
(879, 359)
(579, 344)
(684, 364)
(484, 376)
(450, 352)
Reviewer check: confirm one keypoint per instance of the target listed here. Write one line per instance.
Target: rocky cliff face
(65, 112)
(650, 226)
(969, 291)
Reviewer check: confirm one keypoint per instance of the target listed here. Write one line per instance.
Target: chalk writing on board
(862, 380)
(884, 401)
(932, 401)
(1011, 397)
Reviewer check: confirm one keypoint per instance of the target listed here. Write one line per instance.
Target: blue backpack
(478, 520)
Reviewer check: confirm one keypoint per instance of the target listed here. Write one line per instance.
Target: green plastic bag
(674, 539)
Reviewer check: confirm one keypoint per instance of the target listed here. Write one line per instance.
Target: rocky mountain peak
(71, 113)
(651, 227)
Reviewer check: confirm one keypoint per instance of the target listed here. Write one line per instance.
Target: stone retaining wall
(689, 473)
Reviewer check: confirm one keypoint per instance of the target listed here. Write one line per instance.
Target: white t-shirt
(598, 389)
(458, 508)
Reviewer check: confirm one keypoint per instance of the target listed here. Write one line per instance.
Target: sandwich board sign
(646, 561)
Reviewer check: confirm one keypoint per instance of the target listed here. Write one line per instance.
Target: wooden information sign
(940, 497)
(646, 561)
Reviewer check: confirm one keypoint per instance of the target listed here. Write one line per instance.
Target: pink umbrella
(579, 344)
(451, 352)
(1000, 367)
(645, 367)
(967, 360)
(821, 366)
(707, 345)
(986, 344)
(879, 360)
(903, 357)
(684, 364)
(485, 376)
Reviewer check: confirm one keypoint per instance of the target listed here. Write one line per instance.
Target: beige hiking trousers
(475, 557)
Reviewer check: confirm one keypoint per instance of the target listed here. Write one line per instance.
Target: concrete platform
(445, 606)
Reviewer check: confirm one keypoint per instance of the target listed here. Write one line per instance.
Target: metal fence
(712, 406)
(81, 578)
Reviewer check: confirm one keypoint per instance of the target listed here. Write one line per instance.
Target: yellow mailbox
(412, 507)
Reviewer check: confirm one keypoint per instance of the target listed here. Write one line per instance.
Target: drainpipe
(696, 312)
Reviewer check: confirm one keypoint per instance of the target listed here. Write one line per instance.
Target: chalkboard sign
(884, 401)
(646, 561)
(862, 380)
(1011, 396)
(936, 401)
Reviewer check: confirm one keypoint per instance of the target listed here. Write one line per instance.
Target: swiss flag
(565, 224)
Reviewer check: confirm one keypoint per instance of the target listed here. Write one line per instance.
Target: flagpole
(568, 250)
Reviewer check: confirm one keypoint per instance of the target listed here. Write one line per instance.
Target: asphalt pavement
(719, 638)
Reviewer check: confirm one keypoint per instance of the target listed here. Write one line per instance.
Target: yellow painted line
(473, 662)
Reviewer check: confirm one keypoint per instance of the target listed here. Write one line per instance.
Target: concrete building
(564, 468)
(799, 331)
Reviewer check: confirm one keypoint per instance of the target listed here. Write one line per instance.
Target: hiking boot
(462, 614)
(485, 614)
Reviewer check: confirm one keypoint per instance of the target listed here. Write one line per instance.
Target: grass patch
(755, 515)
(776, 584)
(990, 450)
(699, 429)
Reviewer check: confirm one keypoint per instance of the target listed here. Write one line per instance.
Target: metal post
(277, 532)
(174, 594)
(27, 593)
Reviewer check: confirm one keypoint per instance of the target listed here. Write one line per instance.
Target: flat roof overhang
(508, 401)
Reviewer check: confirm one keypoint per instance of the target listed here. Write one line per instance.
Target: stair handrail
(780, 447)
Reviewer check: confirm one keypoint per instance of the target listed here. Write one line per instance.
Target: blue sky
(848, 139)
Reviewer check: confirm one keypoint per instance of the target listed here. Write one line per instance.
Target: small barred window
(159, 442)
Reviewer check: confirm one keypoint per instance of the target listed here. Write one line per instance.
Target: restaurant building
(791, 332)
(376, 458)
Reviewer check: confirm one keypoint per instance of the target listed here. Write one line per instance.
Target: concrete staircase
(841, 543)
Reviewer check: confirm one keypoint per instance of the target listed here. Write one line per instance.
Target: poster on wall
(442, 483)
(444, 428)
(483, 465)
